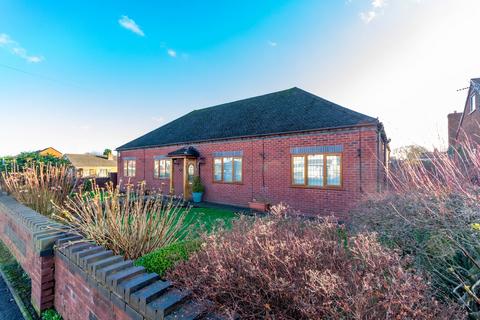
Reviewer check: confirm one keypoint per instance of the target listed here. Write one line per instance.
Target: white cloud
(16, 49)
(131, 25)
(378, 3)
(367, 17)
(172, 53)
(376, 8)
(272, 43)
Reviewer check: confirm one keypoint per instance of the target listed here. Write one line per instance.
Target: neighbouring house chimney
(110, 156)
(453, 123)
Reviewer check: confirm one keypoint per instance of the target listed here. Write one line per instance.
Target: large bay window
(129, 167)
(317, 170)
(227, 169)
(161, 168)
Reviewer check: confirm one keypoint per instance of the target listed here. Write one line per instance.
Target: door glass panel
(191, 172)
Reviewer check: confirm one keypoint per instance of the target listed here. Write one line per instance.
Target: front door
(189, 172)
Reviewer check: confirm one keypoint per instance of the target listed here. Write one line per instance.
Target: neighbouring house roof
(90, 160)
(49, 150)
(287, 111)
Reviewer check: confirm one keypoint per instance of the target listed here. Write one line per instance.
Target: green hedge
(159, 261)
(51, 314)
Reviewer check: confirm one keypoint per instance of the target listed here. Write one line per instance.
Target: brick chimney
(453, 123)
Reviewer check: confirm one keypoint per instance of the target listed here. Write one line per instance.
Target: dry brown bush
(131, 223)
(287, 268)
(432, 214)
(40, 185)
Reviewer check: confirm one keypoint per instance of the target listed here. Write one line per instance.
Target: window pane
(168, 168)
(130, 168)
(227, 169)
(162, 169)
(333, 171)
(125, 168)
(238, 169)
(217, 169)
(156, 168)
(315, 170)
(298, 170)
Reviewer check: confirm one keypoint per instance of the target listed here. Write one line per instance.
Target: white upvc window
(473, 102)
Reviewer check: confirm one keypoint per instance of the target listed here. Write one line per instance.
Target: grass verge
(18, 281)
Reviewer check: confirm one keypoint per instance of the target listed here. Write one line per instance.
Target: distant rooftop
(286, 111)
(90, 160)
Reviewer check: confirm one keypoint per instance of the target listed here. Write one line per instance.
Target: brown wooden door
(189, 171)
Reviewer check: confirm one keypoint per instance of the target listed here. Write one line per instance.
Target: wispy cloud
(16, 49)
(172, 53)
(131, 25)
(272, 43)
(376, 8)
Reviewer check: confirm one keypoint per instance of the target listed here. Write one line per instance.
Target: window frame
(222, 170)
(159, 177)
(125, 168)
(305, 171)
(473, 102)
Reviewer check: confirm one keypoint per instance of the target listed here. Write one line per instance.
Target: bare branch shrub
(433, 214)
(288, 268)
(132, 223)
(40, 185)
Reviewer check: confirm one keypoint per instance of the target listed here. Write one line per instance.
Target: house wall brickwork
(267, 169)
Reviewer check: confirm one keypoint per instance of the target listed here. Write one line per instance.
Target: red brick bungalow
(289, 146)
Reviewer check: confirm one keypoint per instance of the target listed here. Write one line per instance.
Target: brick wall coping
(43, 230)
(140, 294)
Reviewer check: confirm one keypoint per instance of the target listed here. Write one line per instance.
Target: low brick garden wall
(82, 280)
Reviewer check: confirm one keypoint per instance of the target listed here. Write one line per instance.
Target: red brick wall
(76, 299)
(270, 177)
(453, 122)
(470, 126)
(19, 240)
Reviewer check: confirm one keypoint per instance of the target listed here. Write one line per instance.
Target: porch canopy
(185, 152)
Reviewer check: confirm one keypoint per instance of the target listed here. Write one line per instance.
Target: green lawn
(209, 218)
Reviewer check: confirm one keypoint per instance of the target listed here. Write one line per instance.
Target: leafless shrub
(433, 214)
(39, 185)
(132, 223)
(286, 268)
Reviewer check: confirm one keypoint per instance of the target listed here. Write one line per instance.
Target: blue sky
(85, 75)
